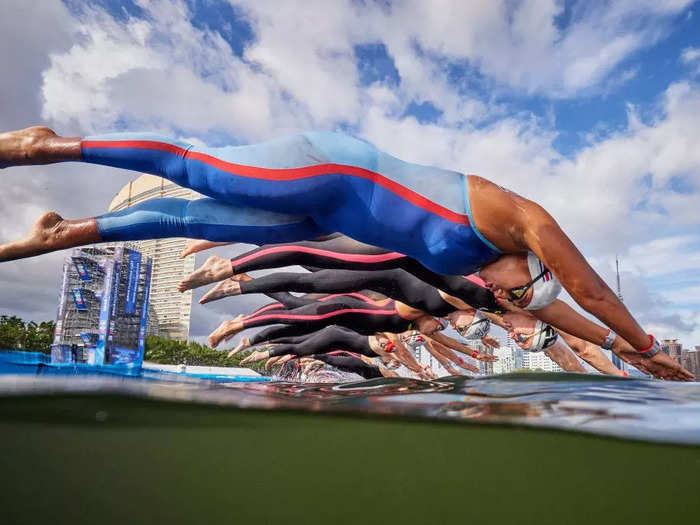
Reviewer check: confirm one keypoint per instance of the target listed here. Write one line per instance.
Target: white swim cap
(545, 289)
(544, 337)
(478, 328)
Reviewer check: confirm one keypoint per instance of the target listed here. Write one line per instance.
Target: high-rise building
(690, 360)
(538, 360)
(172, 309)
(673, 348)
(506, 360)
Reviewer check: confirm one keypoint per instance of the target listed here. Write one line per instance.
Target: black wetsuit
(323, 341)
(397, 284)
(343, 310)
(337, 251)
(347, 363)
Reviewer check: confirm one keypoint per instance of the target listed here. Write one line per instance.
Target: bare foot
(36, 145)
(227, 329)
(242, 344)
(258, 355)
(227, 288)
(199, 246)
(213, 270)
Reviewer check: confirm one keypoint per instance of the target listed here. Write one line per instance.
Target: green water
(112, 459)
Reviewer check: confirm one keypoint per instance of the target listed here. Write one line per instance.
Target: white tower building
(172, 308)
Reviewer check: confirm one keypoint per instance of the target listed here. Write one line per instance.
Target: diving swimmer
(316, 183)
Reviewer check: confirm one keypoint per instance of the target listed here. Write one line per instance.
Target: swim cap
(478, 328)
(544, 337)
(545, 289)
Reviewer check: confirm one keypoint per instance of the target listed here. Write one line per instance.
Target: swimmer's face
(513, 320)
(460, 318)
(428, 325)
(505, 273)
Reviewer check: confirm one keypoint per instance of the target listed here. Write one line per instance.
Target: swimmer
(356, 365)
(533, 336)
(333, 338)
(396, 284)
(317, 183)
(444, 355)
(339, 251)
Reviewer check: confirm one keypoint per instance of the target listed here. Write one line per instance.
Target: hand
(660, 366)
(486, 358)
(490, 342)
(522, 337)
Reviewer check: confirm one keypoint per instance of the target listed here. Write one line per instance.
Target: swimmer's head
(469, 324)
(528, 332)
(429, 325)
(521, 279)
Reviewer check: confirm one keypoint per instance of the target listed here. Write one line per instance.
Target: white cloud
(691, 58)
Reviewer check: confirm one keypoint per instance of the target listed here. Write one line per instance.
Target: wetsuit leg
(351, 364)
(397, 284)
(326, 340)
(332, 252)
(201, 219)
(343, 310)
(417, 210)
(341, 252)
(273, 333)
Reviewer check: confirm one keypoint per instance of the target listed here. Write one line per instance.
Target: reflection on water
(627, 408)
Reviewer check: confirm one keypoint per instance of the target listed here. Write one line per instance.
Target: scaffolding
(103, 307)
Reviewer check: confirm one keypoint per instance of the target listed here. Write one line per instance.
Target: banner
(97, 356)
(115, 282)
(78, 299)
(89, 339)
(132, 284)
(144, 308)
(82, 269)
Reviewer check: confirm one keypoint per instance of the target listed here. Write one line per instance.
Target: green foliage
(165, 351)
(15, 334)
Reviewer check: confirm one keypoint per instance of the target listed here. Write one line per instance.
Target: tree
(15, 334)
(165, 351)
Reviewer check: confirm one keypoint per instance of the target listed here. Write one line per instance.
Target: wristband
(609, 339)
(651, 350)
(474, 354)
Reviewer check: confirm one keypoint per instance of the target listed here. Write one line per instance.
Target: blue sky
(589, 107)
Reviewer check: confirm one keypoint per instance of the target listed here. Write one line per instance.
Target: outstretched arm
(545, 238)
(584, 335)
(565, 358)
(403, 355)
(445, 355)
(449, 342)
(591, 354)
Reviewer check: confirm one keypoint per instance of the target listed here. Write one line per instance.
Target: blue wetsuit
(310, 184)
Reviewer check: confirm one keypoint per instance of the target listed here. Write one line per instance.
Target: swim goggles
(543, 337)
(517, 293)
(469, 329)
